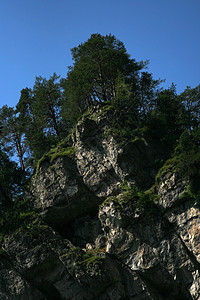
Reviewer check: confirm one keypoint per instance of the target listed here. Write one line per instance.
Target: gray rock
(60, 193)
(154, 250)
(78, 250)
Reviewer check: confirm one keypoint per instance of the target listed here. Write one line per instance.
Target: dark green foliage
(103, 74)
(186, 158)
(191, 194)
(15, 212)
(62, 149)
(191, 100)
(169, 167)
(39, 109)
(93, 77)
(165, 121)
(140, 201)
(12, 138)
(145, 93)
(189, 141)
(90, 261)
(18, 217)
(126, 106)
(100, 59)
(47, 101)
(187, 153)
(189, 164)
(11, 181)
(126, 134)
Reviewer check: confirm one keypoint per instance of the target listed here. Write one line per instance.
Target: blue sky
(36, 37)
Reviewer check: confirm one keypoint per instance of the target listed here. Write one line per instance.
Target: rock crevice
(93, 239)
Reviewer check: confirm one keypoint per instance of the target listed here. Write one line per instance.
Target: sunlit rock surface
(86, 243)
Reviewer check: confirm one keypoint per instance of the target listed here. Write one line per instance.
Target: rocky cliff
(100, 227)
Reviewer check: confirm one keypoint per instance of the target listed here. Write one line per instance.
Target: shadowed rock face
(60, 193)
(76, 249)
(69, 188)
(104, 164)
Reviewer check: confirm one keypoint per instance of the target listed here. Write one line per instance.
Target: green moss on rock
(17, 218)
(89, 261)
(92, 262)
(61, 150)
(169, 167)
(187, 165)
(190, 195)
(133, 196)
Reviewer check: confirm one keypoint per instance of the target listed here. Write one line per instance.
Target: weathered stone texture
(78, 250)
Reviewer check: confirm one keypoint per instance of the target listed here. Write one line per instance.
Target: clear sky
(36, 37)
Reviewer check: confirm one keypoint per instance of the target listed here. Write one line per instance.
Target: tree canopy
(11, 135)
(93, 77)
(102, 73)
(11, 180)
(39, 111)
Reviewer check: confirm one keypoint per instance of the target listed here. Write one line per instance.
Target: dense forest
(103, 74)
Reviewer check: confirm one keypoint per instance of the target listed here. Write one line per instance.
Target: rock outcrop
(92, 240)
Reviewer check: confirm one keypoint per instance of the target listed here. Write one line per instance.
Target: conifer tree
(12, 138)
(92, 79)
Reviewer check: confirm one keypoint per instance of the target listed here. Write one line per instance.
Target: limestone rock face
(13, 285)
(153, 249)
(60, 194)
(97, 157)
(88, 241)
(69, 188)
(103, 163)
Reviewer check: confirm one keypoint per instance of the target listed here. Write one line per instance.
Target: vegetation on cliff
(91, 223)
(103, 75)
